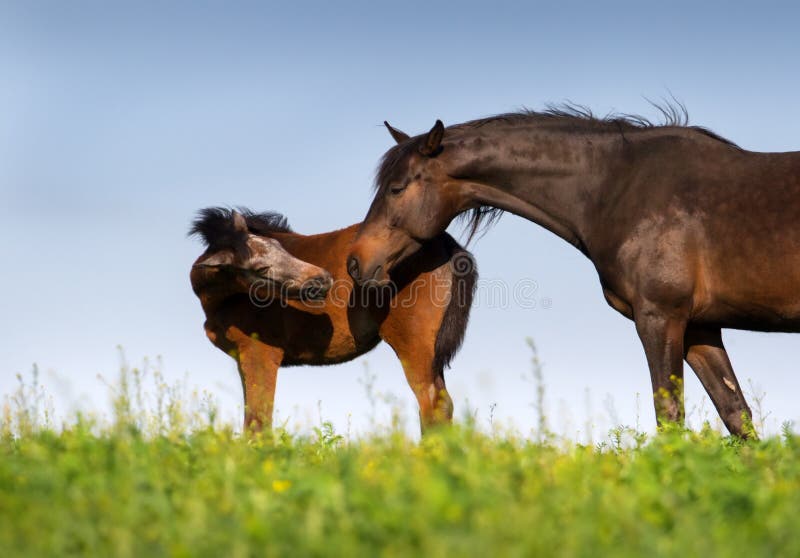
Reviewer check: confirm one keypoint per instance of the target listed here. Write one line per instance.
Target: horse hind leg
(435, 403)
(427, 382)
(425, 329)
(416, 352)
(706, 354)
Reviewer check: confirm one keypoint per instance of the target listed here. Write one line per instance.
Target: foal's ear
(217, 259)
(239, 223)
(433, 141)
(398, 136)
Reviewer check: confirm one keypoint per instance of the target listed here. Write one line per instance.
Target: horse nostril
(353, 268)
(322, 281)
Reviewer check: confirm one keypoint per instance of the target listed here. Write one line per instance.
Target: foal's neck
(217, 289)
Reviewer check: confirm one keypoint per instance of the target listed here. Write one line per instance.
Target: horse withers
(688, 232)
(276, 298)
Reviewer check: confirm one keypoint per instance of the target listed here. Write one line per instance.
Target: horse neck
(550, 177)
(214, 288)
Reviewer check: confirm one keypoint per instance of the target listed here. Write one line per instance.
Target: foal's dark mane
(214, 226)
(567, 116)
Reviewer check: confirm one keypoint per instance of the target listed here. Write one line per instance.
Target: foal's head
(251, 260)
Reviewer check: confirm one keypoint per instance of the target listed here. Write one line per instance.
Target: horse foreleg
(258, 368)
(662, 337)
(706, 354)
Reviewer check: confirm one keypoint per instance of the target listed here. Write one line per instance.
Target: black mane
(674, 115)
(568, 115)
(214, 225)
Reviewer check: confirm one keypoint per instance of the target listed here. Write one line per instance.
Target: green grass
(460, 492)
(164, 485)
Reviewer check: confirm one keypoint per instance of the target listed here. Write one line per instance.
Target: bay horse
(688, 232)
(275, 298)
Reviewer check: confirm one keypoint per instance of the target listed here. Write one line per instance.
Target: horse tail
(464, 278)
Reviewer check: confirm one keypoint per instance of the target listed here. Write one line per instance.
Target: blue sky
(118, 122)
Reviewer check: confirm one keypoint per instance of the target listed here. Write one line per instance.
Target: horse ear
(217, 259)
(239, 223)
(433, 141)
(398, 136)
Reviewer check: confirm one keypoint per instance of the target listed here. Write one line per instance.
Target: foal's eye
(397, 189)
(262, 270)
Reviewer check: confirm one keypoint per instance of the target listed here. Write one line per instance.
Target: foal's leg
(662, 334)
(413, 340)
(706, 354)
(435, 404)
(258, 368)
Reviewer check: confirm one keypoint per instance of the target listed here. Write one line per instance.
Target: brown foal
(276, 298)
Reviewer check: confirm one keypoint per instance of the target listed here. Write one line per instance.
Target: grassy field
(172, 485)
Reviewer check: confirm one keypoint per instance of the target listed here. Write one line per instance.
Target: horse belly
(334, 333)
(760, 296)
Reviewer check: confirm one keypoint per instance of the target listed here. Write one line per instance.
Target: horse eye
(262, 270)
(397, 189)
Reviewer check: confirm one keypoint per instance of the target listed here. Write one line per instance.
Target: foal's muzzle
(317, 287)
